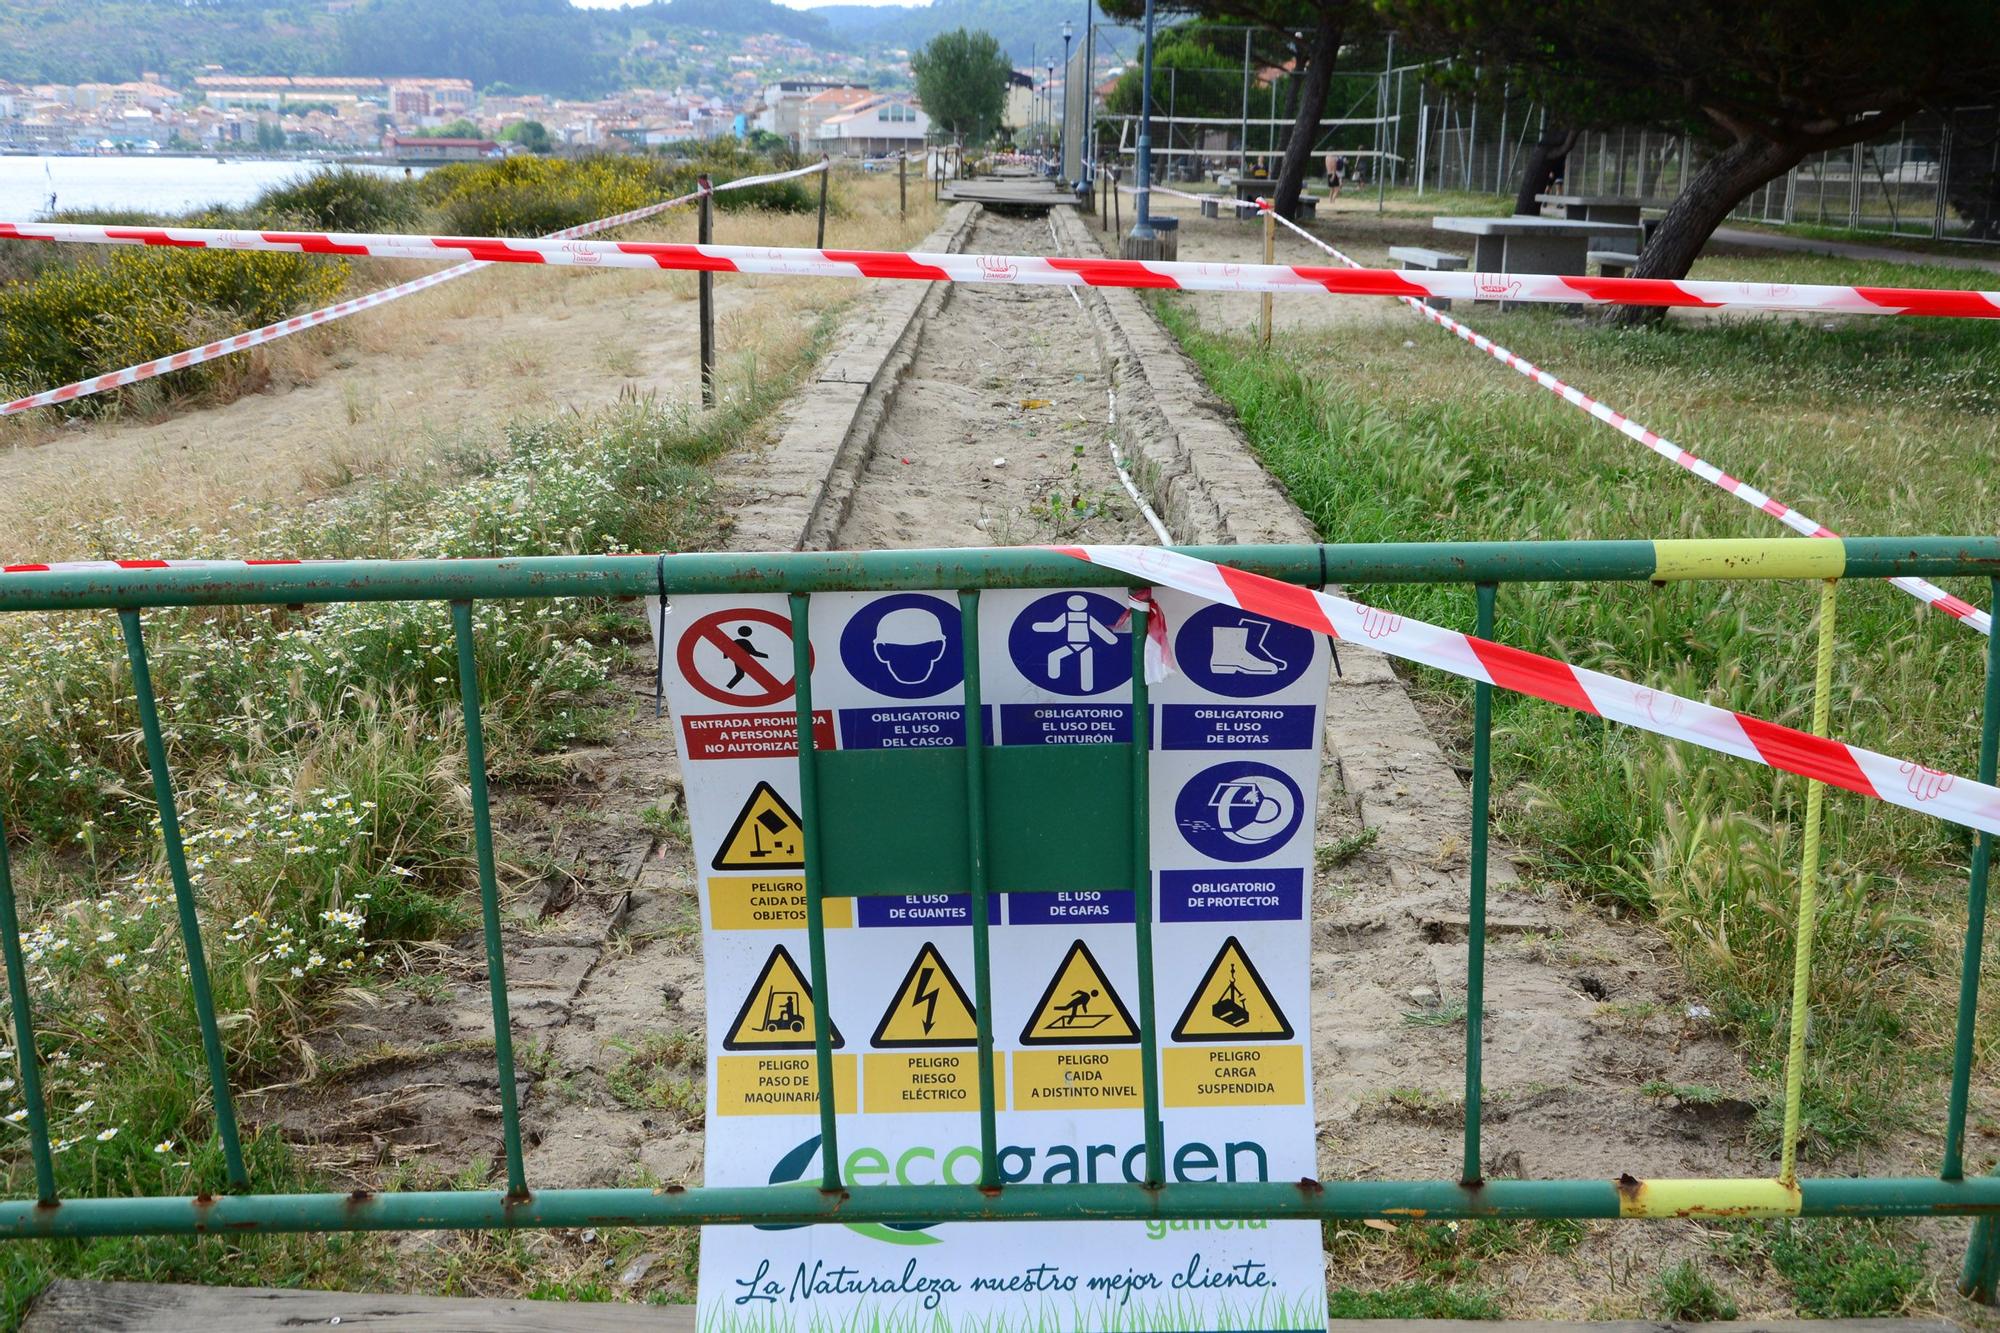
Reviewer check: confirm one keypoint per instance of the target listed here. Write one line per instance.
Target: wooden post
(902, 182)
(1117, 205)
(1104, 185)
(704, 284)
(825, 170)
(1270, 255)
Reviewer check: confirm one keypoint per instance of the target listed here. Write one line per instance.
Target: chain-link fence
(1935, 175)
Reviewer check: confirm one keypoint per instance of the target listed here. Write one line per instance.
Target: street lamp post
(1049, 115)
(1065, 139)
(1142, 226)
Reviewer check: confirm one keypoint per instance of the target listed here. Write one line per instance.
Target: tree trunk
(1312, 106)
(1726, 181)
(1551, 150)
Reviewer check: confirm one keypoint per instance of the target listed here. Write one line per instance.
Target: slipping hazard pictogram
(1079, 1008)
(930, 1008)
(765, 835)
(777, 1014)
(1232, 1002)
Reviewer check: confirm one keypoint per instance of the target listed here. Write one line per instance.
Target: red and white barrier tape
(1049, 271)
(1901, 782)
(1921, 589)
(194, 356)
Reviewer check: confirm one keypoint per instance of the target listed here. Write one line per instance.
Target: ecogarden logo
(1193, 1162)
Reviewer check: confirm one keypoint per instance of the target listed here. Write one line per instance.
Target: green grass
(319, 763)
(1874, 427)
(1834, 1268)
(1414, 1300)
(1684, 1292)
(661, 1071)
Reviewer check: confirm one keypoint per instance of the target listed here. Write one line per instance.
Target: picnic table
(1249, 188)
(1535, 245)
(1613, 208)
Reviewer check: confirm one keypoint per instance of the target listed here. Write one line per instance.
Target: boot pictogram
(1238, 650)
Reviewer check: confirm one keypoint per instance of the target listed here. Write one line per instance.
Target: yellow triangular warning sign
(1079, 1008)
(1232, 1003)
(777, 1014)
(930, 1008)
(765, 835)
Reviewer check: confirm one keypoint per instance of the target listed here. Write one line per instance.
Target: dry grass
(398, 388)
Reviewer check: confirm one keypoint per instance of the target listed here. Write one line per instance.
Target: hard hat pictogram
(905, 646)
(1080, 1007)
(929, 1008)
(1232, 1002)
(777, 1014)
(765, 835)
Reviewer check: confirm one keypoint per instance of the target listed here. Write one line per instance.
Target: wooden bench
(1436, 261)
(1212, 208)
(1613, 263)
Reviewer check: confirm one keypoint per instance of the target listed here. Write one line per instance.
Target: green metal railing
(978, 779)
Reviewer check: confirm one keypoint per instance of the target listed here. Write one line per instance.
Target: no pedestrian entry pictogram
(734, 657)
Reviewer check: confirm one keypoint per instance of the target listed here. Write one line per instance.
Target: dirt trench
(996, 431)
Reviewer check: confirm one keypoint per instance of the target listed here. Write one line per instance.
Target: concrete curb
(794, 494)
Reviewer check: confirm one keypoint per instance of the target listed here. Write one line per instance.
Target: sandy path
(1003, 412)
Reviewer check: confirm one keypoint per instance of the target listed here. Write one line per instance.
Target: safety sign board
(930, 1008)
(1232, 1002)
(1080, 1007)
(1233, 792)
(765, 835)
(777, 1013)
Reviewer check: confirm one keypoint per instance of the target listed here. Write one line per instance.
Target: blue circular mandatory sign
(1228, 651)
(906, 646)
(1240, 811)
(1065, 644)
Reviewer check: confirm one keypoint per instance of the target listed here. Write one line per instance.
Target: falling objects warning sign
(1232, 1003)
(1079, 1008)
(930, 1008)
(777, 1014)
(741, 656)
(765, 835)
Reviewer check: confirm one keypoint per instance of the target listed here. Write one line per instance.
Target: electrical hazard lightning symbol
(930, 1008)
(1232, 1002)
(765, 835)
(777, 1014)
(1079, 1008)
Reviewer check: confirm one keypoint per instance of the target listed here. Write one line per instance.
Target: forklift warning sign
(1234, 763)
(777, 1014)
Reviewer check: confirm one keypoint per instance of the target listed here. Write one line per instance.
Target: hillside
(1028, 29)
(537, 45)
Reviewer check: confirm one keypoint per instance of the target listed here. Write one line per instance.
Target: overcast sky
(789, 4)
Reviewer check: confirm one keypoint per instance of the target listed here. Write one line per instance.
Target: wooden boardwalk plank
(68, 1304)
